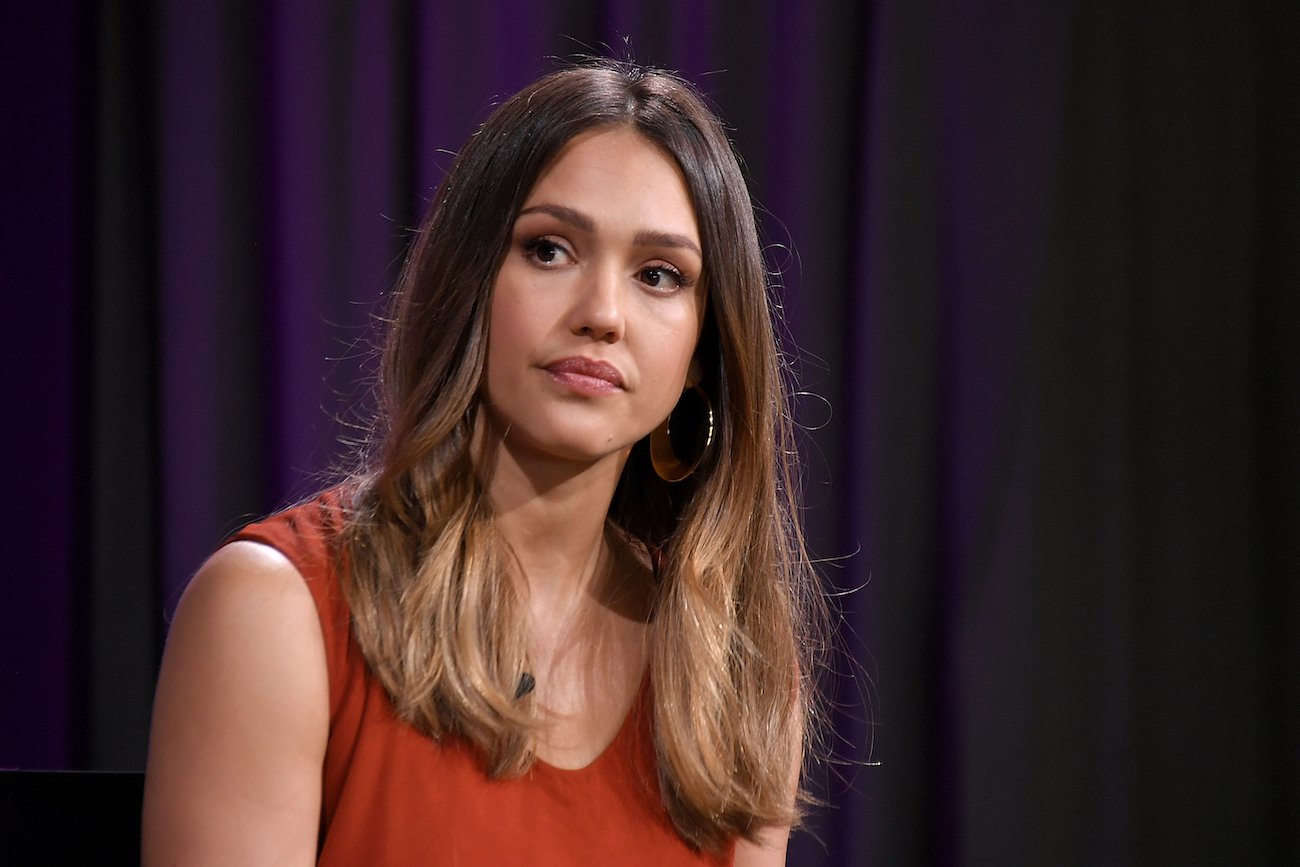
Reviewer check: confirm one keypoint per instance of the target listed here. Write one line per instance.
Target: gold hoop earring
(688, 431)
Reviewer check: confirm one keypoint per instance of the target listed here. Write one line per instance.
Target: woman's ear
(695, 372)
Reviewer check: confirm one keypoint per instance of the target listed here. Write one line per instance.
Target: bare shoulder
(242, 568)
(240, 578)
(240, 718)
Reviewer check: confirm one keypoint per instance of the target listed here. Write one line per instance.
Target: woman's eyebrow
(577, 219)
(647, 238)
(644, 238)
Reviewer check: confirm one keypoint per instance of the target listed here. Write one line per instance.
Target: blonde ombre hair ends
(738, 619)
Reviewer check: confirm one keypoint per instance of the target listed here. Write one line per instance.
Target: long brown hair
(736, 613)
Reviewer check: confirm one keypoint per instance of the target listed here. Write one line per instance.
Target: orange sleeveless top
(392, 796)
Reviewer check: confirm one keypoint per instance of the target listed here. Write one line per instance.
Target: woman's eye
(662, 277)
(544, 251)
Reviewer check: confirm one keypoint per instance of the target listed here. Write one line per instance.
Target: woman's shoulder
(241, 715)
(257, 583)
(248, 603)
(246, 571)
(308, 536)
(252, 594)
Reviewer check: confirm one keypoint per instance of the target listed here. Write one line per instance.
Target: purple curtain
(1038, 267)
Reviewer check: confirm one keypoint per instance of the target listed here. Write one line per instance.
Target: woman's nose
(598, 310)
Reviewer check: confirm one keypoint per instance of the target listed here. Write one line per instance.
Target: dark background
(1039, 257)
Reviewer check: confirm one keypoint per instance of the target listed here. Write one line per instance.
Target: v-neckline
(625, 730)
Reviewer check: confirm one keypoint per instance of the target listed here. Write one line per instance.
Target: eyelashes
(652, 276)
(544, 250)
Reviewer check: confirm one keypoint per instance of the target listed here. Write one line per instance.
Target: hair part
(738, 618)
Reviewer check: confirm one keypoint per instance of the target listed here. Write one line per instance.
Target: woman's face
(598, 304)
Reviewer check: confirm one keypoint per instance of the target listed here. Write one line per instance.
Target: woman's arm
(240, 719)
(767, 851)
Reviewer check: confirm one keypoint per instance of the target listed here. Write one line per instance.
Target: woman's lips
(586, 375)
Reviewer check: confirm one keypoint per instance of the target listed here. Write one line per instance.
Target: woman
(562, 613)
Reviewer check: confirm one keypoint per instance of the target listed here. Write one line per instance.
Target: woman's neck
(552, 517)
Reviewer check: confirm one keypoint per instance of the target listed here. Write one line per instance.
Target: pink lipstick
(586, 375)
